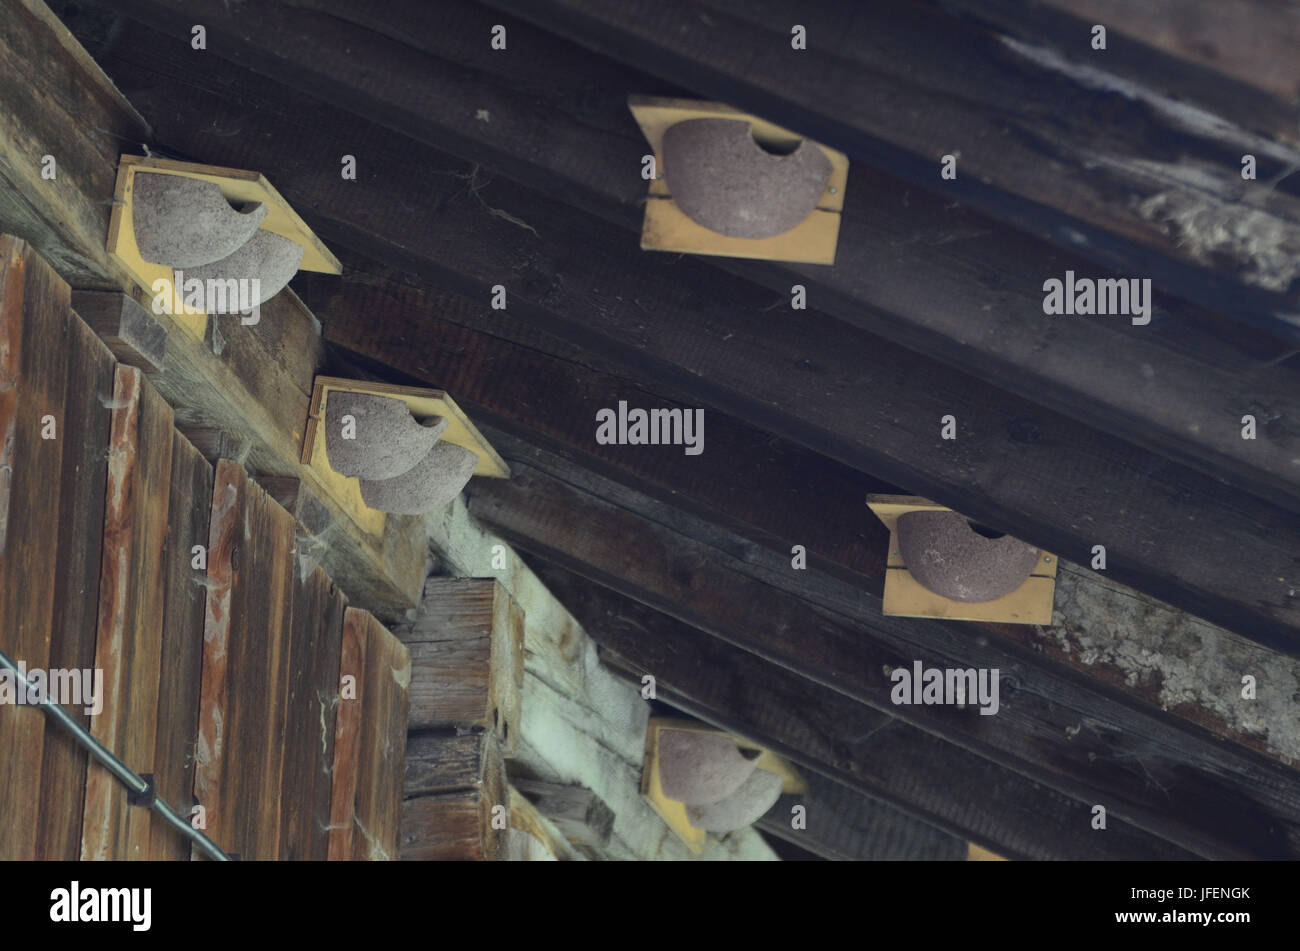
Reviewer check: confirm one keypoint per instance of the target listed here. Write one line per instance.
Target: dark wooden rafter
(853, 397)
(827, 732)
(914, 267)
(758, 490)
(1116, 173)
(606, 322)
(1164, 778)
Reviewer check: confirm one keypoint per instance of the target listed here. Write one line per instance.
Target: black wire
(138, 785)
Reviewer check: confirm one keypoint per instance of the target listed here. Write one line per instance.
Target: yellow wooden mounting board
(904, 596)
(672, 811)
(423, 403)
(238, 186)
(668, 228)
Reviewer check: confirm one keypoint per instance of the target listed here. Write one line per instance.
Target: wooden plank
(975, 305)
(826, 732)
(347, 736)
(381, 756)
(455, 784)
(848, 646)
(315, 652)
(130, 331)
(84, 430)
(33, 384)
(467, 658)
(58, 102)
(714, 339)
(129, 642)
(185, 600)
(245, 680)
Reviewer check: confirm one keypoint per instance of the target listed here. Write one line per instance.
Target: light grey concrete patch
(757, 794)
(946, 555)
(267, 257)
(185, 222)
(1190, 661)
(428, 485)
(389, 441)
(724, 180)
(701, 768)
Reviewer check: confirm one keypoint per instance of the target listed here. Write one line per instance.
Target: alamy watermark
(957, 686)
(1087, 296)
(71, 688)
(192, 295)
(655, 427)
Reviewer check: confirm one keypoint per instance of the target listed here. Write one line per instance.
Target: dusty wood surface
(315, 652)
(381, 747)
(467, 658)
(33, 383)
(180, 670)
(59, 102)
(345, 774)
(84, 431)
(132, 333)
(128, 645)
(455, 789)
(245, 680)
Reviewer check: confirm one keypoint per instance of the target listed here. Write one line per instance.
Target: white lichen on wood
(1193, 664)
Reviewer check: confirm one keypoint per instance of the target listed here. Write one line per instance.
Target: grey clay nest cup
(756, 795)
(943, 553)
(701, 768)
(724, 180)
(430, 484)
(271, 259)
(186, 222)
(389, 441)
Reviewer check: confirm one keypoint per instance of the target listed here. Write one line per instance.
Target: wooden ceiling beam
(865, 402)
(828, 733)
(1048, 140)
(915, 267)
(1162, 777)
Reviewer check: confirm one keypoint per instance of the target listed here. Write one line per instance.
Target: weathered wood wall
(123, 550)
